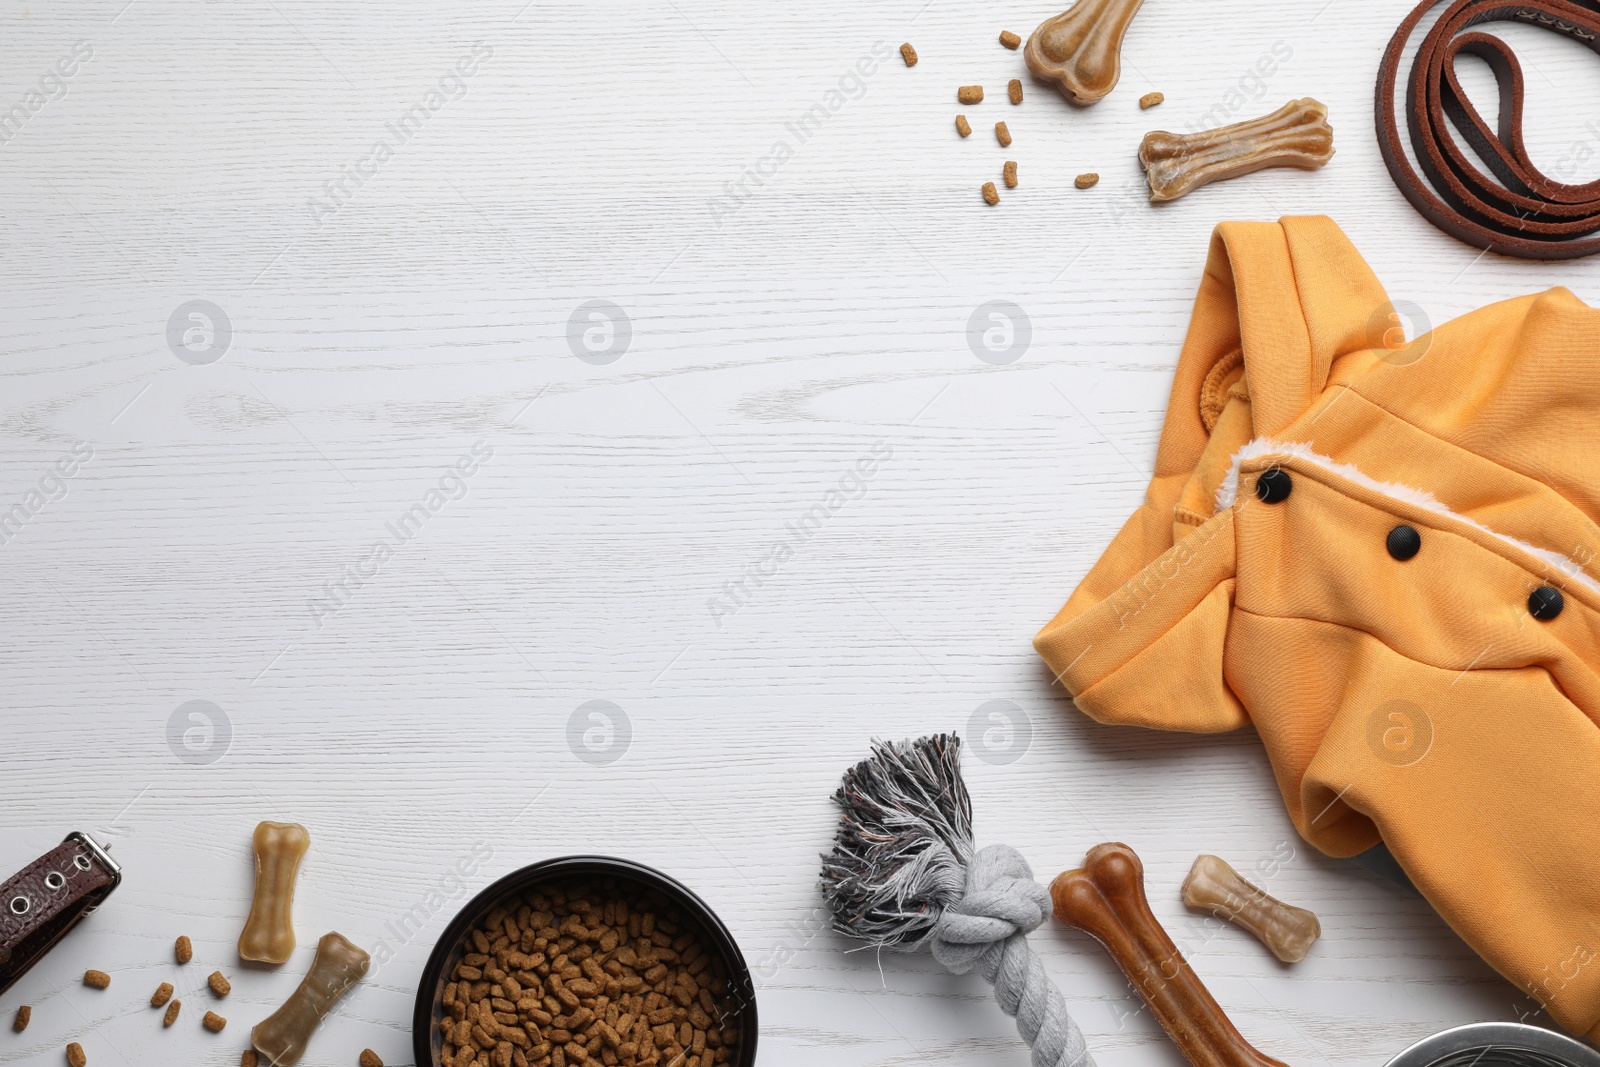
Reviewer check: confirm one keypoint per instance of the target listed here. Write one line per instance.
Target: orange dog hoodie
(1383, 555)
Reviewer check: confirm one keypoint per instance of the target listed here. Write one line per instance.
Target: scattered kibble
(369, 1058)
(20, 1023)
(1003, 134)
(172, 1013)
(991, 195)
(249, 1058)
(219, 985)
(75, 1056)
(162, 994)
(963, 127)
(1086, 181)
(1009, 172)
(970, 94)
(908, 54)
(1010, 40)
(214, 1022)
(184, 949)
(97, 979)
(1150, 100)
(1014, 90)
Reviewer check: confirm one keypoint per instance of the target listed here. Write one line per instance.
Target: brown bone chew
(1295, 135)
(1105, 898)
(1285, 929)
(1079, 51)
(282, 1036)
(268, 935)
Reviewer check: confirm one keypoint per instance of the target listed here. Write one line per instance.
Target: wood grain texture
(782, 330)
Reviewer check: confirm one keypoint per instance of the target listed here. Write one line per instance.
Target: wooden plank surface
(796, 302)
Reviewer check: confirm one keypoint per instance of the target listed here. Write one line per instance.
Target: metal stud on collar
(20, 905)
(53, 880)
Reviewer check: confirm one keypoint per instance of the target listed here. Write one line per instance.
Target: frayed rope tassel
(903, 876)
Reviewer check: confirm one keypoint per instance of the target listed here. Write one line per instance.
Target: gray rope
(986, 931)
(903, 875)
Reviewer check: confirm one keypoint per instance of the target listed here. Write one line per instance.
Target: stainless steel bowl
(1497, 1045)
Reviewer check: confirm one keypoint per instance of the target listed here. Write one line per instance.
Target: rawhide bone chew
(1295, 135)
(903, 875)
(282, 1036)
(1079, 51)
(1285, 929)
(1105, 898)
(268, 935)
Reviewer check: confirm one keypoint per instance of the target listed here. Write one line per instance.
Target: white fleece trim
(1228, 494)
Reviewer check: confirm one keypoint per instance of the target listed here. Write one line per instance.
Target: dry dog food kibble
(1014, 90)
(172, 1013)
(991, 195)
(1086, 181)
(75, 1056)
(20, 1023)
(1010, 40)
(219, 985)
(588, 971)
(970, 94)
(908, 54)
(214, 1022)
(98, 979)
(1009, 173)
(1003, 134)
(249, 1058)
(184, 949)
(963, 127)
(369, 1058)
(162, 994)
(1150, 100)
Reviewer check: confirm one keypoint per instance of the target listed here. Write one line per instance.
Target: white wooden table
(782, 314)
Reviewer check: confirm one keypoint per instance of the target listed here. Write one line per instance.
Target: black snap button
(1274, 486)
(1404, 542)
(1545, 603)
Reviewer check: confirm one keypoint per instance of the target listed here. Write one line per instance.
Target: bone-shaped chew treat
(1079, 51)
(1295, 135)
(1285, 929)
(282, 1036)
(1105, 898)
(268, 935)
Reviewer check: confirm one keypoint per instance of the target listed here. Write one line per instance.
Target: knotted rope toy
(903, 875)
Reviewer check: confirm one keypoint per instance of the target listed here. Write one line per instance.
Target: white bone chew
(268, 935)
(282, 1036)
(1285, 929)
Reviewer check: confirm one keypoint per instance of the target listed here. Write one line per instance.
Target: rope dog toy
(903, 875)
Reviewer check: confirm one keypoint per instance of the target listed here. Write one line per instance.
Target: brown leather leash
(1514, 209)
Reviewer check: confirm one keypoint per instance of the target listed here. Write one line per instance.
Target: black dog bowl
(428, 1041)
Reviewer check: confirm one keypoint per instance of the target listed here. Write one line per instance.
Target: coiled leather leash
(1514, 208)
